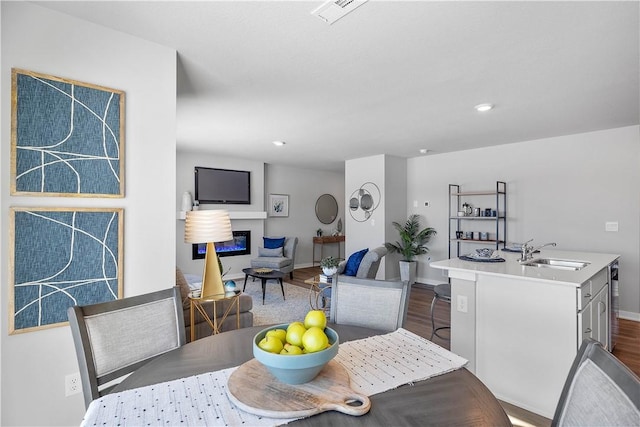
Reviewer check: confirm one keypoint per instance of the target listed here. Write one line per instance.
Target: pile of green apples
(299, 337)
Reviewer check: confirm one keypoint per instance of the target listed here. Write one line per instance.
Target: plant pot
(329, 271)
(408, 271)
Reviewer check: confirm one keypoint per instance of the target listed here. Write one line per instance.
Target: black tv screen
(223, 186)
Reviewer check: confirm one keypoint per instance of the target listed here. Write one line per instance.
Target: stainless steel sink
(558, 264)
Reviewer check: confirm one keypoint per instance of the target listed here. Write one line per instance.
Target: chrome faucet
(528, 251)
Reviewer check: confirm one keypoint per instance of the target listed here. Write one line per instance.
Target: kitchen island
(520, 326)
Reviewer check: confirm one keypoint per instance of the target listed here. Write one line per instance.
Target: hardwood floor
(627, 348)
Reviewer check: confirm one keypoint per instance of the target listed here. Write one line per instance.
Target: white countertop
(512, 268)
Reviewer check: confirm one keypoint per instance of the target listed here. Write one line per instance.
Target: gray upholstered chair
(283, 261)
(113, 339)
(599, 391)
(378, 304)
(369, 265)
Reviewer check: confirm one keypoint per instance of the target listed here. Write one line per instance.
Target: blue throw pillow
(354, 262)
(270, 243)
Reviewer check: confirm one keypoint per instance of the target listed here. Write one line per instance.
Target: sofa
(202, 327)
(369, 264)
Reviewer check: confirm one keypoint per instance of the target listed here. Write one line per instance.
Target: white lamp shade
(204, 226)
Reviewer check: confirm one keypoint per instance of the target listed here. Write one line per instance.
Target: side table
(196, 303)
(325, 240)
(317, 291)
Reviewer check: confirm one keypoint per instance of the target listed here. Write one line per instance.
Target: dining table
(455, 398)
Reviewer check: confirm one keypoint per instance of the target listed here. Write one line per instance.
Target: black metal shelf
(456, 198)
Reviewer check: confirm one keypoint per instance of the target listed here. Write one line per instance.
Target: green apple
(314, 339)
(271, 344)
(291, 349)
(295, 333)
(294, 323)
(315, 318)
(281, 334)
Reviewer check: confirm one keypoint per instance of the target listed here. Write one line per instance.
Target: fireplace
(239, 245)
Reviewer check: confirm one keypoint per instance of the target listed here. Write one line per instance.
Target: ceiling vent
(333, 10)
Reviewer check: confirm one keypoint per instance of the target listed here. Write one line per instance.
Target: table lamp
(209, 226)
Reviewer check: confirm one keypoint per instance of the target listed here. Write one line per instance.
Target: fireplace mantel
(236, 215)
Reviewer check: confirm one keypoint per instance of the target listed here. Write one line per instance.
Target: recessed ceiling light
(279, 143)
(424, 151)
(483, 107)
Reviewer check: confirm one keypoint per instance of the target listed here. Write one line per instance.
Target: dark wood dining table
(456, 398)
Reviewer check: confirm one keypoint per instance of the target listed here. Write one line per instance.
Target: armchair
(272, 258)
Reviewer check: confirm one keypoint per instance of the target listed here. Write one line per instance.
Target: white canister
(186, 201)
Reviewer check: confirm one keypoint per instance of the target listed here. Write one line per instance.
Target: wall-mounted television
(222, 186)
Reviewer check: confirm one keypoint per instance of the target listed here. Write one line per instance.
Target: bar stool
(441, 292)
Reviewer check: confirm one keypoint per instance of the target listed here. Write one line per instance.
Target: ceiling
(392, 77)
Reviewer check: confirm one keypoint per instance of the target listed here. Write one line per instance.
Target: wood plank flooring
(627, 348)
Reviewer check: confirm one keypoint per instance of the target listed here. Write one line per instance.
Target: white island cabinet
(520, 326)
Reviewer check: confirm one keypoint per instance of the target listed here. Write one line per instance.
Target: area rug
(276, 310)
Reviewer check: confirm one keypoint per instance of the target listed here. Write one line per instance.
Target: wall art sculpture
(67, 137)
(60, 257)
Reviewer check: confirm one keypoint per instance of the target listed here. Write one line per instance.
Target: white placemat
(375, 364)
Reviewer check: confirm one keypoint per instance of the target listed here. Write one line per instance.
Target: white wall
(560, 189)
(304, 186)
(388, 173)
(34, 364)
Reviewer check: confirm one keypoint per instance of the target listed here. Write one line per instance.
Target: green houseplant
(411, 244)
(329, 265)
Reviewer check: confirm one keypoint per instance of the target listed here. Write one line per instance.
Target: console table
(325, 240)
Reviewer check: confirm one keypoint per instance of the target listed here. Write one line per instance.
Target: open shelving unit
(497, 227)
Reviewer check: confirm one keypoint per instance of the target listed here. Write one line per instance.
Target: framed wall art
(278, 205)
(67, 137)
(60, 257)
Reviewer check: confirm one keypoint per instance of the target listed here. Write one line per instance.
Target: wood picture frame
(60, 257)
(67, 137)
(278, 205)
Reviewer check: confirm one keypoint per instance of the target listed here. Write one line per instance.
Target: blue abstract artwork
(67, 137)
(62, 257)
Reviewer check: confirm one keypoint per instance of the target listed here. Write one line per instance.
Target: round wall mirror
(326, 209)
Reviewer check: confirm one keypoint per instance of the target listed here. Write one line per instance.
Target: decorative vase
(186, 201)
(229, 286)
(329, 271)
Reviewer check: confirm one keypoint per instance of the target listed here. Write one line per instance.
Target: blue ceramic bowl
(299, 368)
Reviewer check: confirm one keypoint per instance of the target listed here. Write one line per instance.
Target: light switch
(415, 203)
(611, 226)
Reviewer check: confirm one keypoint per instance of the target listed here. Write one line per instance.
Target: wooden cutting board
(253, 389)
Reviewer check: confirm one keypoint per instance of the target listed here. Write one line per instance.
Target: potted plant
(412, 243)
(329, 265)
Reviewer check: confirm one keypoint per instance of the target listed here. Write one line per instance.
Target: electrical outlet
(72, 384)
(462, 303)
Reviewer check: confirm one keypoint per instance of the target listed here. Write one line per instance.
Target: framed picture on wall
(67, 137)
(278, 205)
(61, 257)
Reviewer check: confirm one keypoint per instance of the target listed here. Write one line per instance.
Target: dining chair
(599, 391)
(377, 304)
(114, 338)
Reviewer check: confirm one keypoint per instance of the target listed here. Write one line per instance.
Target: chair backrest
(377, 304)
(289, 250)
(115, 338)
(599, 391)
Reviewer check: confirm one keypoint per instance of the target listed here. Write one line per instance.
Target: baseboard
(629, 315)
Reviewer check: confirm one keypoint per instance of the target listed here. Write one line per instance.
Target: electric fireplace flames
(239, 245)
